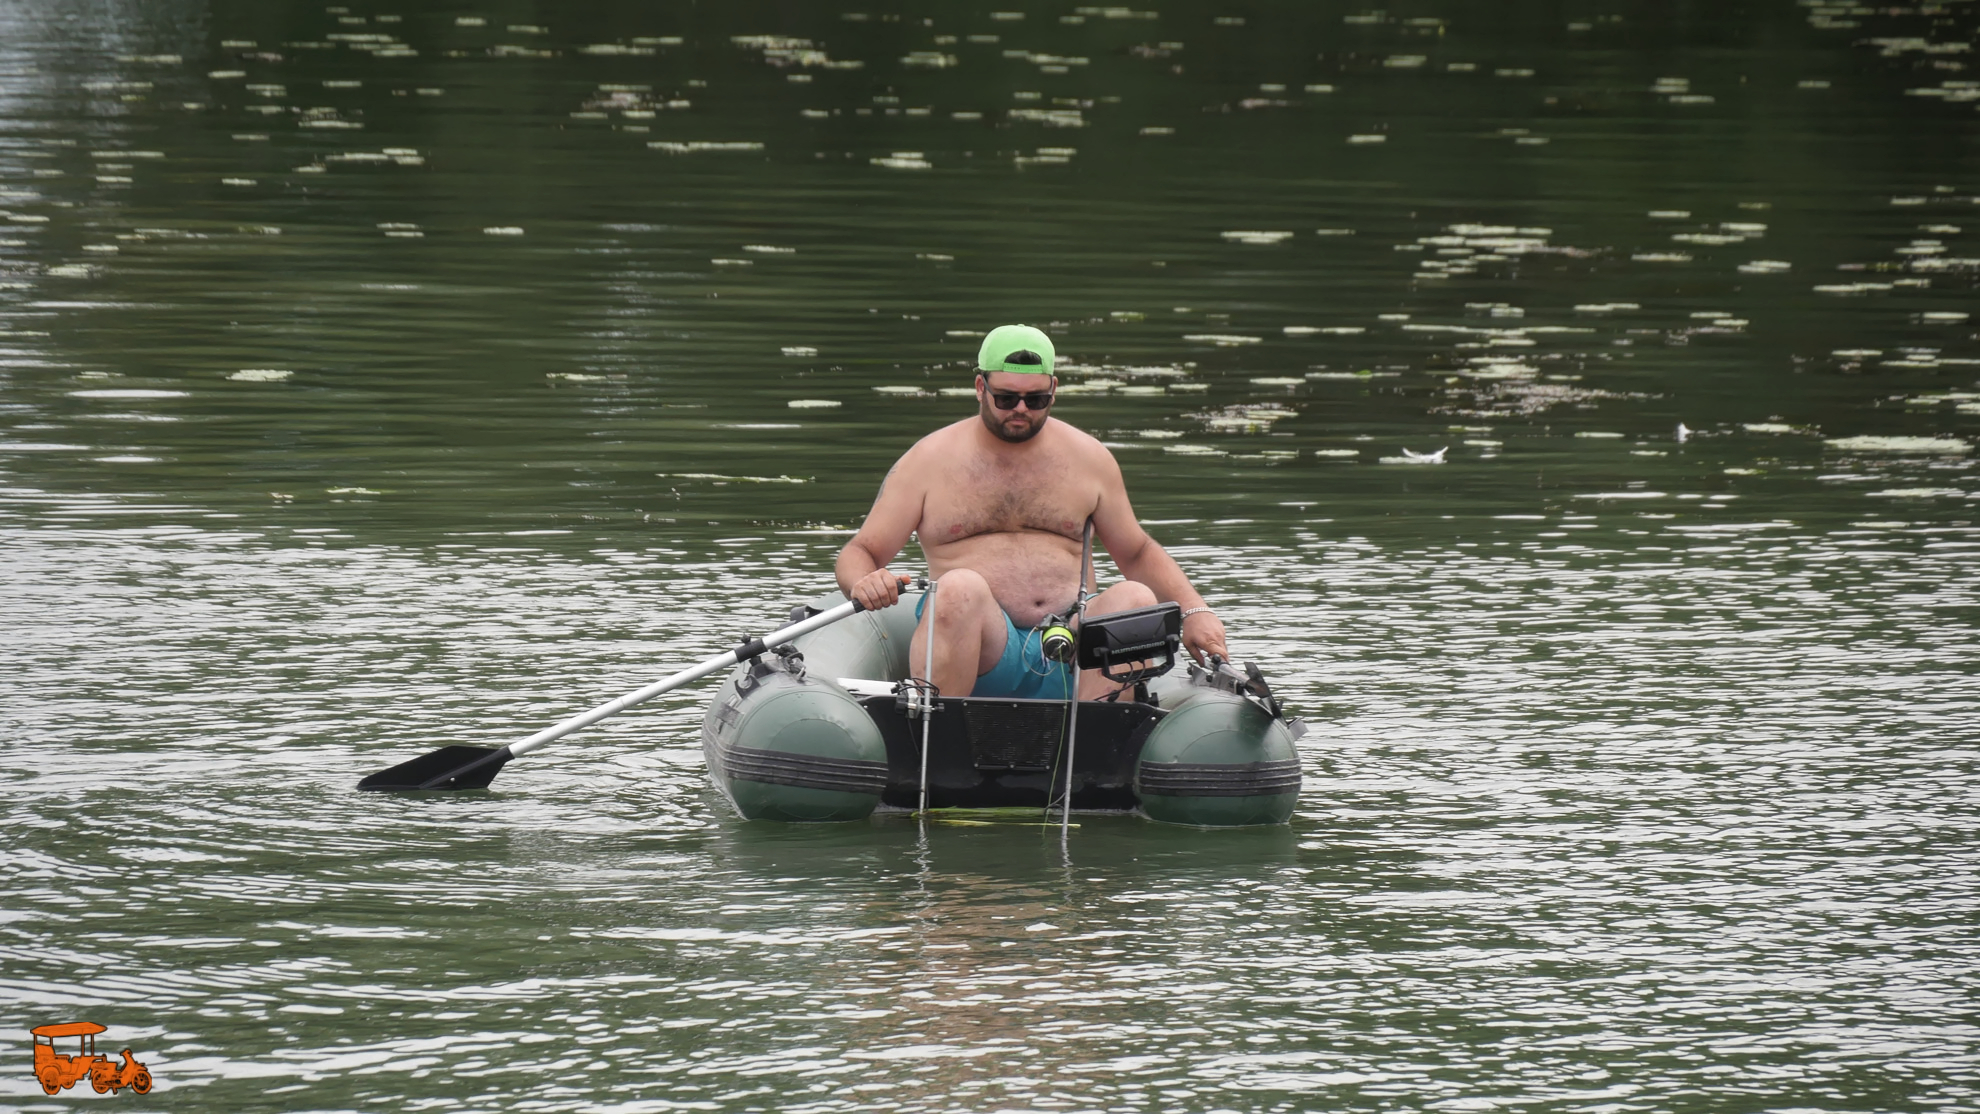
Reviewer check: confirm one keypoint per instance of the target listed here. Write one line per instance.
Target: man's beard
(1002, 433)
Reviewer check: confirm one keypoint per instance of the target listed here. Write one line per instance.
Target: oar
(474, 767)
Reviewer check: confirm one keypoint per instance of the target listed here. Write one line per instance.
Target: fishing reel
(1057, 641)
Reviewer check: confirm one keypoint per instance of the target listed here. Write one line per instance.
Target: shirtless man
(1000, 503)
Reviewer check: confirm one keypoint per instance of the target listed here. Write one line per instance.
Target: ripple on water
(1593, 823)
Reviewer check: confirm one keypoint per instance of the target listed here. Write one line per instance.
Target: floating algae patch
(1940, 446)
(1964, 401)
(127, 393)
(1411, 457)
(1917, 493)
(717, 477)
(1487, 367)
(1046, 156)
(1050, 117)
(1247, 237)
(1132, 371)
(1501, 398)
(1254, 418)
(673, 147)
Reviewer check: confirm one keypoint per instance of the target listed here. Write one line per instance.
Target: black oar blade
(446, 768)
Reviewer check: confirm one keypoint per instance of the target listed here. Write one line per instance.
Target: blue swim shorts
(1023, 671)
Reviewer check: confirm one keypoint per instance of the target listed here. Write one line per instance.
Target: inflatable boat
(832, 727)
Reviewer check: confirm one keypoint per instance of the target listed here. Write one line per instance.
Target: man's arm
(1142, 558)
(862, 565)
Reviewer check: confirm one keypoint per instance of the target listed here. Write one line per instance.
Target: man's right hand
(877, 589)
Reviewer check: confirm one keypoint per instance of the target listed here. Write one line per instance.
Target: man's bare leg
(969, 633)
(1125, 596)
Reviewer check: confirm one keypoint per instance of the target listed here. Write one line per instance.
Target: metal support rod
(927, 694)
(1072, 703)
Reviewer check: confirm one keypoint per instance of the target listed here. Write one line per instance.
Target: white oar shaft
(715, 664)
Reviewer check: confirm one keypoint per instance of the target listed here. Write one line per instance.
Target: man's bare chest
(966, 502)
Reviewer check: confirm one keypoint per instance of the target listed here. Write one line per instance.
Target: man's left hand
(1203, 635)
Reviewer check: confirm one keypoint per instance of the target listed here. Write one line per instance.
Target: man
(1000, 503)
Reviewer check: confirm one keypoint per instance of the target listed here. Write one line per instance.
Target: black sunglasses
(1008, 400)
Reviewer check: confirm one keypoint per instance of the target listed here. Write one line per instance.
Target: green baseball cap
(1018, 349)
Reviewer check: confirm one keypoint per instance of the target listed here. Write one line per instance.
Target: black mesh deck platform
(998, 753)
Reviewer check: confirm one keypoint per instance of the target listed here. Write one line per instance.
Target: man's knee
(962, 593)
(1125, 596)
(967, 615)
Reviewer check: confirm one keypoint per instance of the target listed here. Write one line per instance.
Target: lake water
(374, 381)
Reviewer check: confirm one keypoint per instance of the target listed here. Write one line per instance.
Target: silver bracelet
(1187, 612)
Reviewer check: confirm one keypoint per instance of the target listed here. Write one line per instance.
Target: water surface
(373, 381)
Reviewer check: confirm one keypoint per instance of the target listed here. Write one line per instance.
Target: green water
(370, 384)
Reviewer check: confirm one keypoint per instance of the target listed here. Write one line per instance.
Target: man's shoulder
(1077, 436)
(935, 446)
(1081, 443)
(940, 440)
